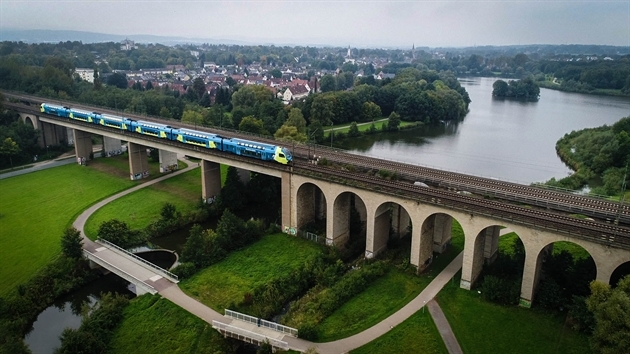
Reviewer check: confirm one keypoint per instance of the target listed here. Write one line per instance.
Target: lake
(509, 140)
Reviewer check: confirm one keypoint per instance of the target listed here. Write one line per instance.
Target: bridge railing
(159, 269)
(263, 323)
(112, 267)
(248, 336)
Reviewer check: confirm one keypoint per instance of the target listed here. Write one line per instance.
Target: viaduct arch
(431, 226)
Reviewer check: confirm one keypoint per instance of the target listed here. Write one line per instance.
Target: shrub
(501, 291)
(185, 270)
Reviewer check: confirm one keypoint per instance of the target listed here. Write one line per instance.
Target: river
(504, 139)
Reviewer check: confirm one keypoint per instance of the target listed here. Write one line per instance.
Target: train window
(281, 155)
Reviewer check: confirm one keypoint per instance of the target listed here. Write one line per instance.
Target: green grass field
(385, 296)
(36, 208)
(226, 282)
(381, 299)
(417, 334)
(152, 324)
(183, 191)
(484, 327)
(344, 128)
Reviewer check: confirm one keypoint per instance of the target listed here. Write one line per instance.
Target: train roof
(152, 124)
(54, 105)
(254, 144)
(196, 132)
(109, 116)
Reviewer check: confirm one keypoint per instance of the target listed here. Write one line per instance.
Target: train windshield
(287, 154)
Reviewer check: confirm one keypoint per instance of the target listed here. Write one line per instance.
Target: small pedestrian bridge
(254, 330)
(146, 276)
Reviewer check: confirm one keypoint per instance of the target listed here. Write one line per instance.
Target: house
(296, 92)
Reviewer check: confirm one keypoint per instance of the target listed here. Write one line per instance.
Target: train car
(114, 122)
(194, 137)
(59, 111)
(153, 129)
(86, 116)
(257, 150)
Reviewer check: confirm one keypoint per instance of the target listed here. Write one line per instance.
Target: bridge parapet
(248, 336)
(168, 275)
(262, 323)
(141, 286)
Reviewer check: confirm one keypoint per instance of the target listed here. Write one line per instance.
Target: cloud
(357, 23)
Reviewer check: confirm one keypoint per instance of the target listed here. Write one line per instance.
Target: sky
(378, 23)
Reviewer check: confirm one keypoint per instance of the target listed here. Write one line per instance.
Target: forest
(599, 157)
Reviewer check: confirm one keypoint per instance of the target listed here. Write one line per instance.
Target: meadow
(36, 208)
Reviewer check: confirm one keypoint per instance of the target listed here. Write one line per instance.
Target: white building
(85, 74)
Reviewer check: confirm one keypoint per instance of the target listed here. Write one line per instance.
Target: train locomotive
(242, 147)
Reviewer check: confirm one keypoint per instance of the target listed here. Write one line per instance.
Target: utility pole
(623, 194)
(331, 133)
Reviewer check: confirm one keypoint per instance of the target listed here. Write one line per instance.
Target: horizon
(360, 24)
(141, 39)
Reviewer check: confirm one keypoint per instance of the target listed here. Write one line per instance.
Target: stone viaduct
(306, 200)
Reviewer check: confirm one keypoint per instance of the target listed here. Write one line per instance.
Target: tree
(72, 243)
(9, 148)
(499, 88)
(232, 191)
(252, 125)
(116, 231)
(276, 73)
(148, 86)
(327, 83)
(394, 121)
(199, 87)
(192, 117)
(289, 133)
(370, 111)
(117, 79)
(97, 81)
(354, 130)
(611, 308)
(297, 120)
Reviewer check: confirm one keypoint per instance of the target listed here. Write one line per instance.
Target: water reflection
(412, 137)
(66, 312)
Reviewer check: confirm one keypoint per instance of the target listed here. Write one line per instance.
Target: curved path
(173, 293)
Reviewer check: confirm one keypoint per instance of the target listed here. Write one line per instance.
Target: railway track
(549, 200)
(580, 228)
(602, 209)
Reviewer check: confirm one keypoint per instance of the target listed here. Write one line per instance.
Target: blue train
(254, 149)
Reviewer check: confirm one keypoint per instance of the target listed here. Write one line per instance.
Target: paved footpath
(451, 343)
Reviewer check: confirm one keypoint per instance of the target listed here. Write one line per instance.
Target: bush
(501, 291)
(308, 331)
(185, 270)
(550, 294)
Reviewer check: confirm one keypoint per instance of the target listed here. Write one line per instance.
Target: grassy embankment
(183, 191)
(363, 127)
(385, 296)
(36, 208)
(152, 324)
(226, 282)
